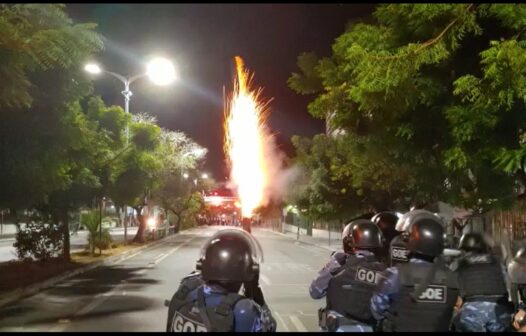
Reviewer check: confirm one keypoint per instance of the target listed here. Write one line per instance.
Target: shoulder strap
(201, 305)
(187, 287)
(370, 258)
(226, 306)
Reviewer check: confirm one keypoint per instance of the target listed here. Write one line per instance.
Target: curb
(304, 242)
(20, 293)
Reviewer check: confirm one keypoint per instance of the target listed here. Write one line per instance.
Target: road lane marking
(266, 281)
(128, 257)
(283, 324)
(297, 323)
(158, 260)
(139, 272)
(285, 284)
(101, 298)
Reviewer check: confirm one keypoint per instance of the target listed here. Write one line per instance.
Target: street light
(160, 71)
(92, 68)
(204, 176)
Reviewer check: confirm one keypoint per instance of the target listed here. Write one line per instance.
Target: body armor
(432, 310)
(481, 275)
(187, 314)
(350, 290)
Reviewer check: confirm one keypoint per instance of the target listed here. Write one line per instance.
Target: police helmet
(517, 268)
(361, 234)
(386, 221)
(230, 255)
(473, 242)
(426, 237)
(406, 220)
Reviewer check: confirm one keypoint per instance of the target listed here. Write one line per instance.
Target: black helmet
(405, 222)
(426, 237)
(517, 268)
(230, 255)
(386, 221)
(473, 242)
(361, 234)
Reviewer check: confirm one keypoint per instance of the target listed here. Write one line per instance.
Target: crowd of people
(391, 275)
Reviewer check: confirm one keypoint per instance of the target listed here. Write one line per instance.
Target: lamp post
(160, 71)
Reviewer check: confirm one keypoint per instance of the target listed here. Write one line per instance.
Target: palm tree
(91, 220)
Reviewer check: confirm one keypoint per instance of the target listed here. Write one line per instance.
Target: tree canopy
(61, 147)
(431, 100)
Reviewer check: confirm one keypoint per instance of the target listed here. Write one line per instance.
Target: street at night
(262, 167)
(129, 295)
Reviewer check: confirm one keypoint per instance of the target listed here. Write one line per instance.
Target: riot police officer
(483, 289)
(517, 274)
(386, 221)
(208, 299)
(418, 295)
(349, 279)
(398, 251)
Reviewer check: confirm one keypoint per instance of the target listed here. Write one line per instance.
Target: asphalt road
(129, 295)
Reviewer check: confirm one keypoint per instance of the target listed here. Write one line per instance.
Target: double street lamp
(159, 70)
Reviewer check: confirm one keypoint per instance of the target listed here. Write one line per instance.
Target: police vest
(398, 252)
(350, 290)
(432, 310)
(184, 314)
(481, 275)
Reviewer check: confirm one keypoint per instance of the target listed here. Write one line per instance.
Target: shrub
(95, 240)
(38, 240)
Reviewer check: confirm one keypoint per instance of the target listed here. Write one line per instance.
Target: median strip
(30, 290)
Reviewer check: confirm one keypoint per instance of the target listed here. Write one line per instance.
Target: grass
(22, 273)
(85, 257)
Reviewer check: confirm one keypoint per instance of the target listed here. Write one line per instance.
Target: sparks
(245, 140)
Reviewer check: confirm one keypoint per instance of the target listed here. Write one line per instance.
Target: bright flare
(245, 140)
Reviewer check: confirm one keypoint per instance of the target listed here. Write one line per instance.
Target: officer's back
(209, 301)
(482, 288)
(351, 286)
(418, 295)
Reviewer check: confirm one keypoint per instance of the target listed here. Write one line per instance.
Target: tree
(133, 182)
(431, 97)
(324, 186)
(43, 130)
(180, 188)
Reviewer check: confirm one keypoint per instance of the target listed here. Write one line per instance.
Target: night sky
(202, 40)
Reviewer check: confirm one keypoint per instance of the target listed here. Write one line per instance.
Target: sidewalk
(335, 242)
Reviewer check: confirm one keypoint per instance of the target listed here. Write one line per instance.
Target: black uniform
(430, 311)
(418, 295)
(352, 281)
(209, 300)
(355, 283)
